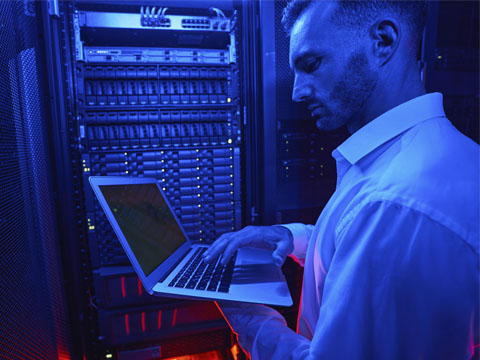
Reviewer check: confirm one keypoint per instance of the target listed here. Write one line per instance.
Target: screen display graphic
(146, 222)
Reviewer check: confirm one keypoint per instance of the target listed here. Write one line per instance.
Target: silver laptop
(168, 263)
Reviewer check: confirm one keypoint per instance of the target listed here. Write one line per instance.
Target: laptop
(168, 263)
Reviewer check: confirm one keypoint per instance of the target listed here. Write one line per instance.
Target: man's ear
(386, 38)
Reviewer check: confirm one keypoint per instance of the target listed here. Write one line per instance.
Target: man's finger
(212, 253)
(217, 247)
(281, 252)
(229, 251)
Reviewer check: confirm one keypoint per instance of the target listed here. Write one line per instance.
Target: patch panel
(152, 20)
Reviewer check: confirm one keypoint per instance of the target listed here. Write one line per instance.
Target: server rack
(299, 173)
(451, 58)
(146, 91)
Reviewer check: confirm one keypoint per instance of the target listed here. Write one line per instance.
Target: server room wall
(197, 98)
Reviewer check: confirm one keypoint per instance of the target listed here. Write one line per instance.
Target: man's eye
(312, 65)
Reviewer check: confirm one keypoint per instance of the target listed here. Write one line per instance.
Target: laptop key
(190, 285)
(212, 287)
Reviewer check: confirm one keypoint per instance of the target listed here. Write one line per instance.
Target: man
(391, 266)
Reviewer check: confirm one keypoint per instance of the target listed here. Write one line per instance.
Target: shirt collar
(390, 124)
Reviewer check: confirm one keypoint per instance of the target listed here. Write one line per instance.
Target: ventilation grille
(32, 314)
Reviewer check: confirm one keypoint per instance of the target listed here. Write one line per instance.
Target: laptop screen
(146, 222)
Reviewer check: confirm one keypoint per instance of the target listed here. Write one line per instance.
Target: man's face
(332, 71)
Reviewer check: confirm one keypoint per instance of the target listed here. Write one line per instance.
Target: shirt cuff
(247, 320)
(301, 235)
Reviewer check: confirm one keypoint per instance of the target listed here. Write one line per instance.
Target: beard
(349, 94)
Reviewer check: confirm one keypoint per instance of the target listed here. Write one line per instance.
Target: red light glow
(127, 325)
(143, 322)
(174, 317)
(63, 356)
(62, 352)
(159, 322)
(235, 352)
(139, 287)
(211, 355)
(123, 287)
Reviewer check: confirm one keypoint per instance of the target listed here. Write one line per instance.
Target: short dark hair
(358, 14)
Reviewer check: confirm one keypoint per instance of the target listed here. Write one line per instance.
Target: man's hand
(277, 238)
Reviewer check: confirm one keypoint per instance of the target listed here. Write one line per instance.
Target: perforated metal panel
(305, 171)
(284, 80)
(32, 313)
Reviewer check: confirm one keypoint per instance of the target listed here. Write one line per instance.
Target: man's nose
(301, 89)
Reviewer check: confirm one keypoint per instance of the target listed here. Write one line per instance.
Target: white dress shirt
(392, 264)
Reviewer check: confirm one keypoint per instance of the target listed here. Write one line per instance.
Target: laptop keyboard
(197, 274)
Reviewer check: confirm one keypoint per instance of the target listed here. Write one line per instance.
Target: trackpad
(251, 272)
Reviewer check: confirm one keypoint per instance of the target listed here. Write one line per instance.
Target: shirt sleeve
(400, 286)
(301, 236)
